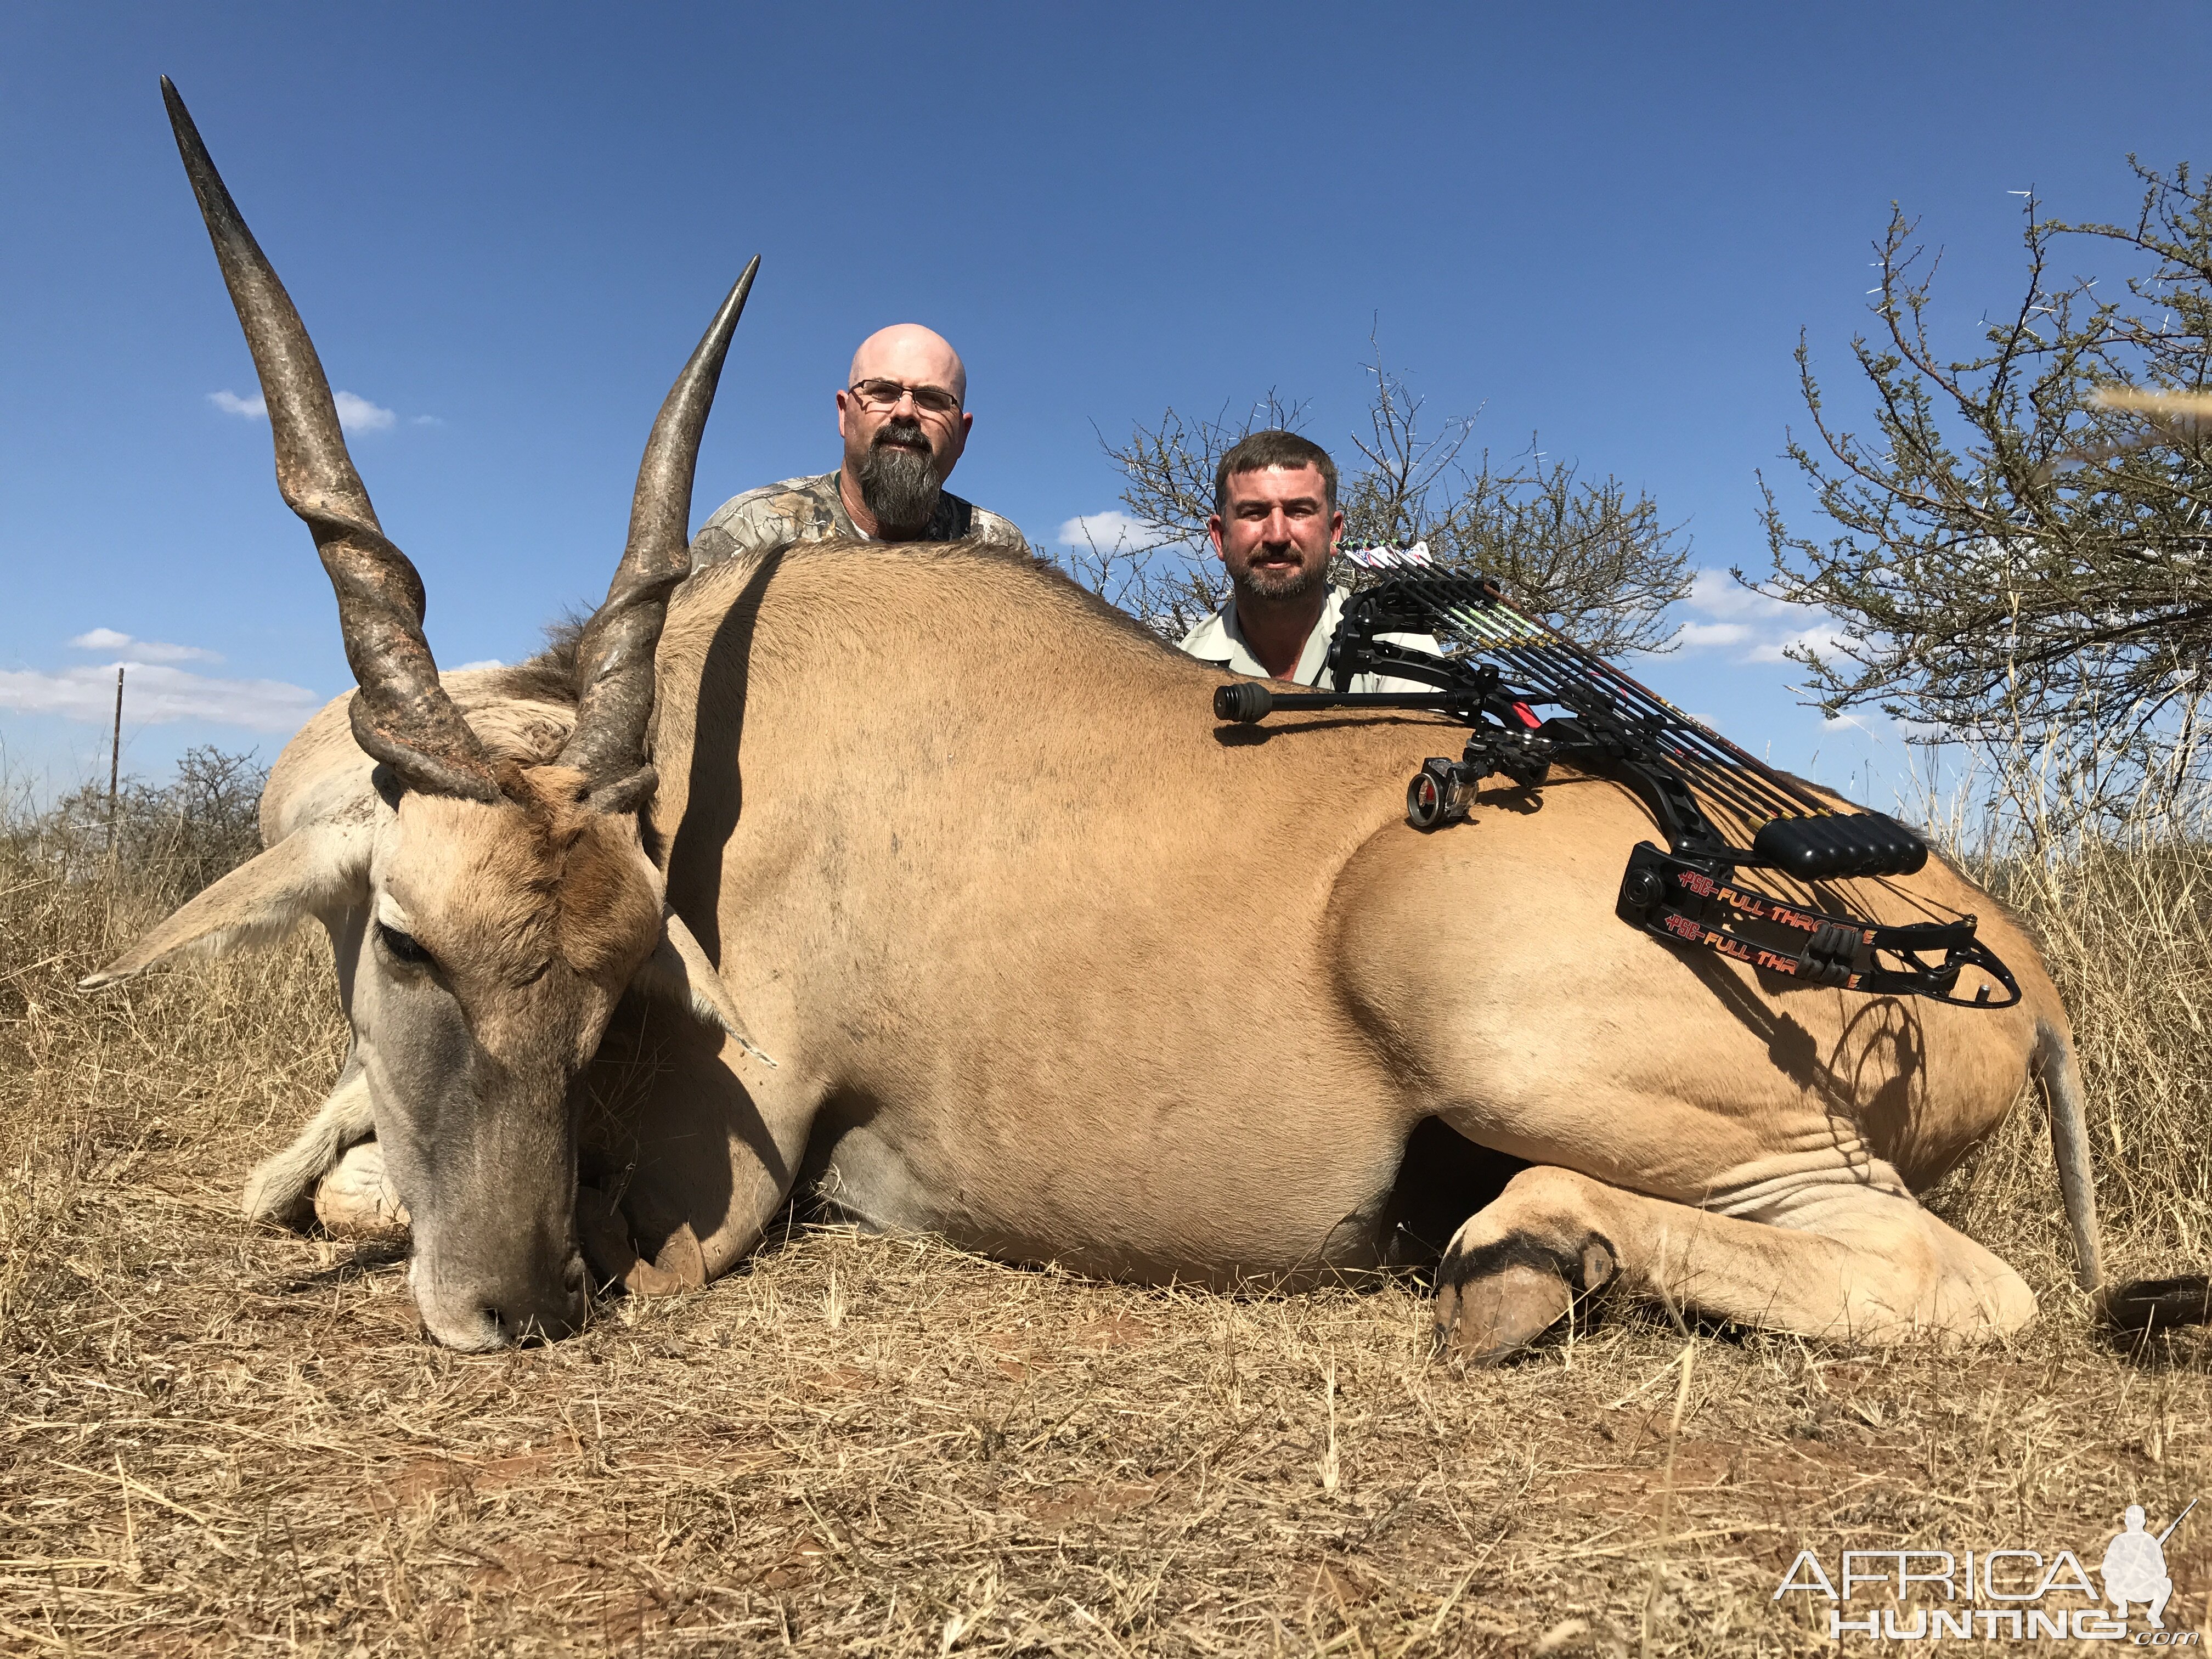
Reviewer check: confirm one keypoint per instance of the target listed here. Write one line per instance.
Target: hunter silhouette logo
(2134, 1567)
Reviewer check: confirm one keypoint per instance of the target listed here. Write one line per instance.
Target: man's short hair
(1273, 448)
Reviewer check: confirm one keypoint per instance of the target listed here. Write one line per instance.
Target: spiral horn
(615, 655)
(401, 715)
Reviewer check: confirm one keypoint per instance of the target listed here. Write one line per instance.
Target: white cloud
(1824, 640)
(481, 662)
(1719, 594)
(1694, 635)
(1111, 530)
(129, 650)
(356, 414)
(154, 695)
(1757, 629)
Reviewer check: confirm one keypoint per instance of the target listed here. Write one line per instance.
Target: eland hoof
(604, 1232)
(356, 1200)
(1495, 1301)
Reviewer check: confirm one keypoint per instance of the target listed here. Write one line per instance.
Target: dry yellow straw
(2182, 405)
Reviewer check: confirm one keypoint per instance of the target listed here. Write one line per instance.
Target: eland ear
(260, 902)
(679, 969)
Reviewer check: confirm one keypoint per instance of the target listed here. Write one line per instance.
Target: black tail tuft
(2149, 1305)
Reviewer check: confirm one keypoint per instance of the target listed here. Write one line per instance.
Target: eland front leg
(278, 1188)
(1849, 1262)
(694, 1149)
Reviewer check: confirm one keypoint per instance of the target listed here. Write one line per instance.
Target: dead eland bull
(989, 885)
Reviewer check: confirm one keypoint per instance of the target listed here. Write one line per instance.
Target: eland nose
(545, 1314)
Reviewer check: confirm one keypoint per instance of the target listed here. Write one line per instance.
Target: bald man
(904, 419)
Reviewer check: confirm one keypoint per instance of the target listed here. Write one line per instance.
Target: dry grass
(219, 1438)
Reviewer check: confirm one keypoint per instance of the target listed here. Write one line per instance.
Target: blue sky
(1605, 224)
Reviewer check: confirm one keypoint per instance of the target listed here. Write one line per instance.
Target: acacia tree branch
(1601, 566)
(2008, 547)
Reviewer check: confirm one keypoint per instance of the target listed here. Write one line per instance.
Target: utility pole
(114, 769)
(115, 748)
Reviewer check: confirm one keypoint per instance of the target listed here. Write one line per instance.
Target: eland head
(504, 902)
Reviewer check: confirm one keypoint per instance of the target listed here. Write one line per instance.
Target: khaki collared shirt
(1220, 641)
(813, 509)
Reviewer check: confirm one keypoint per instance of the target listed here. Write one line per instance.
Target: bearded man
(904, 419)
(1275, 523)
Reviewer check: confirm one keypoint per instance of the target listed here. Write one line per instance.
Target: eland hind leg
(1698, 1131)
(1853, 1263)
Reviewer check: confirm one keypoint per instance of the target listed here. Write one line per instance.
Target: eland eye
(406, 946)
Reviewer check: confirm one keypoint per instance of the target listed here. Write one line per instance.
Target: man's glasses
(878, 396)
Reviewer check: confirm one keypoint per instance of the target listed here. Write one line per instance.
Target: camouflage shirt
(811, 510)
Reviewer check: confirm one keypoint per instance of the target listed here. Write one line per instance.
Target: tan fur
(539, 877)
(1058, 967)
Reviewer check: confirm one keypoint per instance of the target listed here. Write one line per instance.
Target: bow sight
(1505, 665)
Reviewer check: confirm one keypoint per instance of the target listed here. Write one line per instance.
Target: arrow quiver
(1504, 664)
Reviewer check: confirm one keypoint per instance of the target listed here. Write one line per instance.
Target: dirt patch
(1115, 1331)
(425, 1477)
(1074, 1505)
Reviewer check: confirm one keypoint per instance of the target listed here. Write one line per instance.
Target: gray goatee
(899, 484)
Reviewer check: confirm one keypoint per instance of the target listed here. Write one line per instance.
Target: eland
(954, 887)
